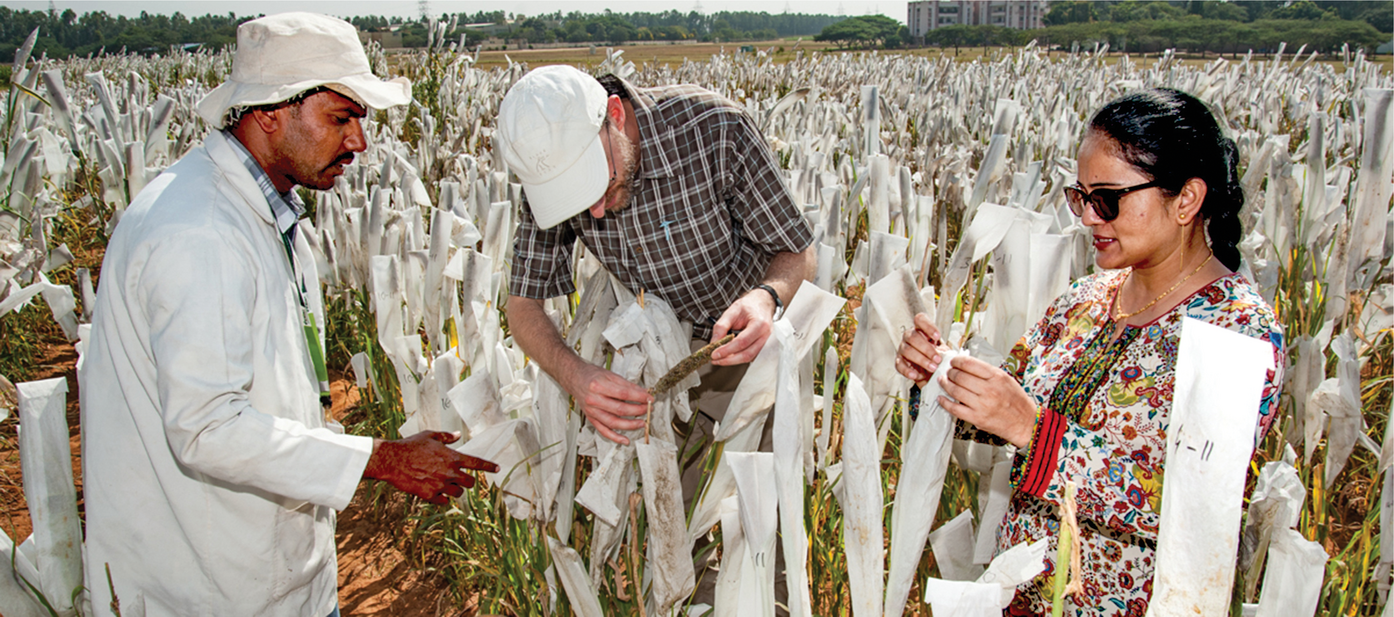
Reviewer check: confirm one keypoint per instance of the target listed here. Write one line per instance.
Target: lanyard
(308, 325)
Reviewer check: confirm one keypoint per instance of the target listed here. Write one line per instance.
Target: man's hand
(753, 315)
(610, 402)
(423, 466)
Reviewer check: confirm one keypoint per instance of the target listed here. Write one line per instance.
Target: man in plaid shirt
(675, 190)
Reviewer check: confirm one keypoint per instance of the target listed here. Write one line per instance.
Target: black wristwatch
(778, 306)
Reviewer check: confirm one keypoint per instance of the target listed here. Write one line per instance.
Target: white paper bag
(1219, 382)
(759, 511)
(1292, 583)
(46, 460)
(924, 462)
(858, 491)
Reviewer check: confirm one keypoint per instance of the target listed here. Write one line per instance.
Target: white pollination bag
(1292, 583)
(759, 514)
(858, 491)
(924, 461)
(669, 554)
(46, 459)
(788, 467)
(993, 591)
(1219, 382)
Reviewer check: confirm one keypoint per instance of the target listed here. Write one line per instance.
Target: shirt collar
(285, 207)
(653, 159)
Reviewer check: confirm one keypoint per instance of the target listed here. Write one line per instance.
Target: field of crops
(931, 185)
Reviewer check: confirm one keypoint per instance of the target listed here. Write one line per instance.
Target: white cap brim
(367, 89)
(572, 191)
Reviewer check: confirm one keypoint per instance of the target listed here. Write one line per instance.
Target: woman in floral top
(1086, 395)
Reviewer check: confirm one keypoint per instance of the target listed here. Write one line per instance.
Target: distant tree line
(1128, 25)
(1193, 26)
(1379, 15)
(724, 26)
(867, 31)
(66, 33)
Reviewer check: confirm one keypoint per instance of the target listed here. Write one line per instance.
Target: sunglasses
(1104, 201)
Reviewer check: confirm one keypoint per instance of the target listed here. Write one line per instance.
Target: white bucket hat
(549, 134)
(283, 55)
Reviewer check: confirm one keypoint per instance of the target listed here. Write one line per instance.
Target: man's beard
(629, 176)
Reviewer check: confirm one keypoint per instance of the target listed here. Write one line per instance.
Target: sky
(410, 8)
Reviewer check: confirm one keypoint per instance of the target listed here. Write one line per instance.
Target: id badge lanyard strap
(309, 326)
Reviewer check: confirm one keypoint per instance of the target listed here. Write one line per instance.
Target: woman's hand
(919, 353)
(988, 398)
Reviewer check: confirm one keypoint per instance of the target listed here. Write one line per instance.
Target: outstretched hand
(422, 465)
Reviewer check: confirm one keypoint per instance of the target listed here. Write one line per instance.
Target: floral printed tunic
(1104, 411)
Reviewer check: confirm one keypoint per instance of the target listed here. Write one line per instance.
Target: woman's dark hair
(1172, 137)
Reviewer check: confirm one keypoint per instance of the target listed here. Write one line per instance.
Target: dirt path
(375, 576)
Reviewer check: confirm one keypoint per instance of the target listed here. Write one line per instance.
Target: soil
(376, 577)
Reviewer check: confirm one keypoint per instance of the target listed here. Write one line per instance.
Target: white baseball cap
(549, 134)
(280, 56)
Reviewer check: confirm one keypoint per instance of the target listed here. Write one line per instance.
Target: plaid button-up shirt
(710, 212)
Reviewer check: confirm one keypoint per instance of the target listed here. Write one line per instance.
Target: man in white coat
(211, 472)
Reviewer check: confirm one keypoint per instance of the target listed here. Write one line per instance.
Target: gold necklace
(1119, 315)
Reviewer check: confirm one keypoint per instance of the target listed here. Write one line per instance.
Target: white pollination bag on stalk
(1339, 399)
(729, 578)
(759, 513)
(1030, 269)
(580, 591)
(16, 570)
(991, 223)
(991, 592)
(924, 460)
(46, 460)
(888, 309)
(669, 554)
(953, 549)
(1275, 505)
(513, 446)
(788, 467)
(1293, 580)
(549, 419)
(601, 493)
(1370, 213)
(885, 254)
(999, 496)
(858, 491)
(1219, 383)
(810, 312)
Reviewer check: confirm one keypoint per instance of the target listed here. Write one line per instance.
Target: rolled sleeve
(758, 197)
(541, 258)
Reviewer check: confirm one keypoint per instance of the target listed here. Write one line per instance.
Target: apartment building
(930, 14)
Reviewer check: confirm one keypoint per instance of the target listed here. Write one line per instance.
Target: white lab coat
(211, 478)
